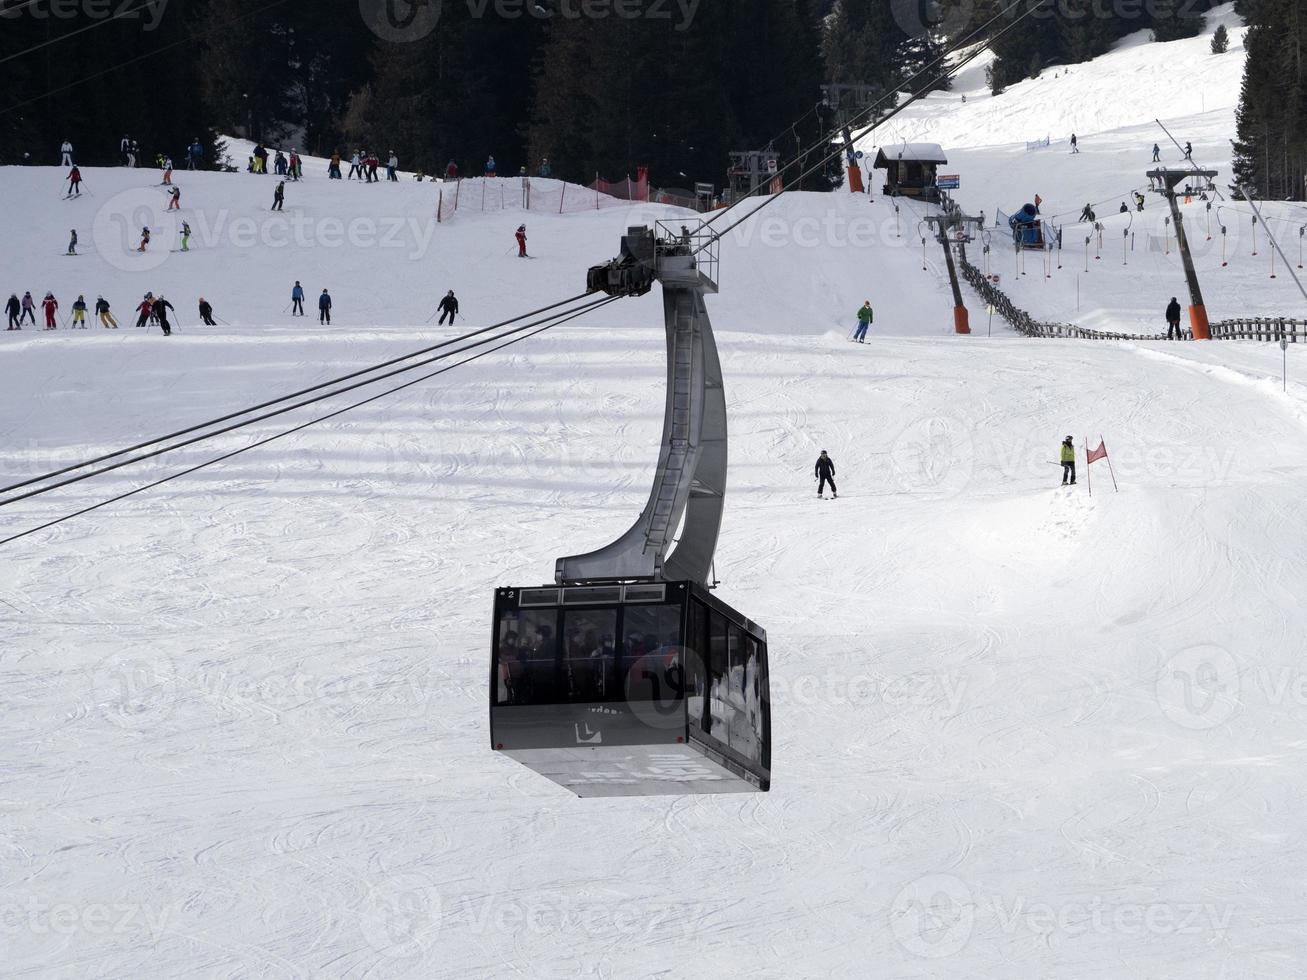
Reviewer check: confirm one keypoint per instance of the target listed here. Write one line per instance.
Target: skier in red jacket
(521, 242)
(145, 310)
(50, 305)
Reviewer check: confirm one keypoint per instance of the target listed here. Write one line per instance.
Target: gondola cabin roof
(910, 153)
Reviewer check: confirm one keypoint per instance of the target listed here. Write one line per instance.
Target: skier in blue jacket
(324, 308)
(297, 299)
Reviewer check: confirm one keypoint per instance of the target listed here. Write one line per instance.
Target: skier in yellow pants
(106, 318)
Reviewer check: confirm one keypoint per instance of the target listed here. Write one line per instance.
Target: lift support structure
(675, 537)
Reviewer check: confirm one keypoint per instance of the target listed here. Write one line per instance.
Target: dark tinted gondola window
(696, 665)
(590, 656)
(527, 657)
(651, 653)
(717, 670)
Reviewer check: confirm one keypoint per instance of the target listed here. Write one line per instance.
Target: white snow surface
(1020, 731)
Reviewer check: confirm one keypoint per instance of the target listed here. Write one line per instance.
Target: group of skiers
(297, 303)
(152, 310)
(283, 166)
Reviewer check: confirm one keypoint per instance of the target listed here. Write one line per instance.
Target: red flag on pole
(1091, 455)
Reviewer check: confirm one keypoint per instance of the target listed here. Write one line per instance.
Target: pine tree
(1176, 19)
(1221, 40)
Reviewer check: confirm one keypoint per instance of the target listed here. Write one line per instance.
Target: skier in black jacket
(448, 308)
(206, 313)
(160, 309)
(1173, 320)
(14, 309)
(825, 473)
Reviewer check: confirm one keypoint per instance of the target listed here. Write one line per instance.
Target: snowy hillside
(1020, 731)
(1112, 104)
(801, 267)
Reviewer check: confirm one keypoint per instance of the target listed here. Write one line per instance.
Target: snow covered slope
(803, 266)
(1020, 731)
(1112, 104)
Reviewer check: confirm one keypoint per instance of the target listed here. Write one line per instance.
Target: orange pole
(1198, 322)
(961, 320)
(855, 179)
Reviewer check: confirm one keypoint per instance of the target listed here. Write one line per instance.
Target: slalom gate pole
(1089, 468)
(1103, 442)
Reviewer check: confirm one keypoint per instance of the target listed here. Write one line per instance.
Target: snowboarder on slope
(1068, 462)
(72, 242)
(160, 309)
(825, 473)
(297, 299)
(324, 308)
(865, 317)
(75, 182)
(14, 309)
(206, 313)
(448, 308)
(1173, 320)
(521, 242)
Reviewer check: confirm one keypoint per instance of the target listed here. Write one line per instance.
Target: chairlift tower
(751, 170)
(953, 227)
(1164, 181)
(849, 105)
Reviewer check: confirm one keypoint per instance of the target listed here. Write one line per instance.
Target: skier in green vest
(1068, 462)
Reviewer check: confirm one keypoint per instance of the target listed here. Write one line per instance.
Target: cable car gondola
(628, 677)
(631, 689)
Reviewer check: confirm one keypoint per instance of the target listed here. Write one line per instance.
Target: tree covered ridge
(674, 89)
